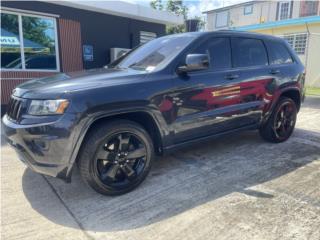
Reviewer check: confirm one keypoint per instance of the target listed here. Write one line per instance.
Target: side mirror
(195, 62)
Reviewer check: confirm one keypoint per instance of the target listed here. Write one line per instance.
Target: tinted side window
(278, 53)
(247, 52)
(219, 52)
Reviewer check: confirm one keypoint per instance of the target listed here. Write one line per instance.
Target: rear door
(254, 80)
(283, 67)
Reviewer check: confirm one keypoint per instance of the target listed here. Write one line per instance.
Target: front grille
(15, 107)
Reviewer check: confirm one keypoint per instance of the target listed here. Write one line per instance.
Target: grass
(313, 91)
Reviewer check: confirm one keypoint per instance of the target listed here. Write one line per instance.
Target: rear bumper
(45, 148)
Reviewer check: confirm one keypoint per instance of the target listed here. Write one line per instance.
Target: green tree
(36, 30)
(173, 6)
(156, 4)
(9, 22)
(179, 9)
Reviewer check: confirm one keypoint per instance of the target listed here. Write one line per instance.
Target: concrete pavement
(237, 187)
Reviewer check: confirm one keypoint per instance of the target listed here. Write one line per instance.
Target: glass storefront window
(35, 49)
(39, 43)
(10, 41)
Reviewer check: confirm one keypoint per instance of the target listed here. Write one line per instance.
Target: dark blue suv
(165, 94)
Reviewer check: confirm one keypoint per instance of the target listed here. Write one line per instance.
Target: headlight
(48, 107)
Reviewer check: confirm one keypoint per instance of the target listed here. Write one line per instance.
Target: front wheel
(280, 125)
(116, 157)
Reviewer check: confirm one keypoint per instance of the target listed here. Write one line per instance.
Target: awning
(10, 43)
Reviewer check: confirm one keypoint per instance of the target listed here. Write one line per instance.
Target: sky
(197, 6)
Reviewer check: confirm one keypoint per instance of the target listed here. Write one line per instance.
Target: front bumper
(45, 148)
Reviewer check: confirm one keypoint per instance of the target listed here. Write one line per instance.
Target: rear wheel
(280, 125)
(116, 157)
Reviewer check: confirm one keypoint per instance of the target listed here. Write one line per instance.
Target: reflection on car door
(222, 98)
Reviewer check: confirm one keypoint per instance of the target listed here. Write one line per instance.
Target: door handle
(275, 71)
(231, 76)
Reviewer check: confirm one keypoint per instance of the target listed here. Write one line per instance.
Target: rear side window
(278, 53)
(219, 52)
(247, 52)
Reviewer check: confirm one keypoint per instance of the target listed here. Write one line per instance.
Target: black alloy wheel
(281, 123)
(116, 157)
(285, 119)
(121, 159)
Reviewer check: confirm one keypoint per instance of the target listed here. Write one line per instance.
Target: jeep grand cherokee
(167, 93)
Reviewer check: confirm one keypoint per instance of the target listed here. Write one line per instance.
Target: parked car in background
(168, 93)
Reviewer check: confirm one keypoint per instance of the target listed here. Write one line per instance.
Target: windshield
(155, 54)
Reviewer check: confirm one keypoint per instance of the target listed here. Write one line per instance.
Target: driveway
(237, 187)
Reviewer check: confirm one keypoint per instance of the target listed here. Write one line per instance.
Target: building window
(28, 42)
(284, 10)
(147, 36)
(247, 10)
(298, 42)
(222, 19)
(308, 8)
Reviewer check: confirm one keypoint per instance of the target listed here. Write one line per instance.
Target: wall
(296, 9)
(265, 10)
(313, 64)
(11, 79)
(210, 22)
(260, 10)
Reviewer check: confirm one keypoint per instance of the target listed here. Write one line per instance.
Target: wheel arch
(142, 117)
(294, 94)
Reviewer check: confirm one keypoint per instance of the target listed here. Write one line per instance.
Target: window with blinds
(297, 41)
(147, 36)
(308, 8)
(284, 9)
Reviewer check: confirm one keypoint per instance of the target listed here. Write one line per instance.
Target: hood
(64, 83)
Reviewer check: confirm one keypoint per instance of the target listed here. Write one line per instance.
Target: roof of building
(282, 23)
(232, 6)
(124, 9)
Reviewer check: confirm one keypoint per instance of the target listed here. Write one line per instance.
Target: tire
(278, 128)
(116, 157)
